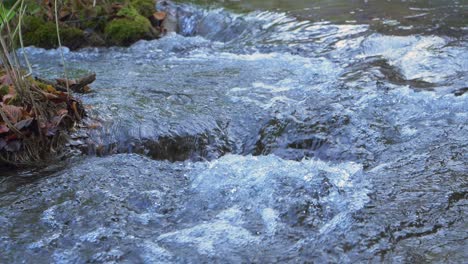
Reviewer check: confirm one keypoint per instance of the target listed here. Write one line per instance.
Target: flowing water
(265, 131)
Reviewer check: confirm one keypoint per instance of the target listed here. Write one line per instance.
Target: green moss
(131, 24)
(32, 7)
(97, 24)
(71, 35)
(45, 36)
(32, 23)
(4, 89)
(145, 7)
(125, 31)
(41, 86)
(100, 10)
(128, 12)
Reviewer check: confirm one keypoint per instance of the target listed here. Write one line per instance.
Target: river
(264, 132)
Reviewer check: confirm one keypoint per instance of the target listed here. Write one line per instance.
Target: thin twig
(20, 22)
(60, 47)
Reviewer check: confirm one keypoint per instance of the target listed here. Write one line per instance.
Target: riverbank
(82, 24)
(36, 117)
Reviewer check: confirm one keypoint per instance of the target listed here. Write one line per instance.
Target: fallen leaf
(159, 15)
(50, 89)
(7, 98)
(62, 112)
(14, 113)
(26, 114)
(50, 96)
(4, 129)
(6, 80)
(24, 123)
(11, 137)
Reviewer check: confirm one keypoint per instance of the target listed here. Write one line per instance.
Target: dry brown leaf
(7, 98)
(62, 112)
(5, 80)
(50, 96)
(4, 129)
(14, 113)
(159, 15)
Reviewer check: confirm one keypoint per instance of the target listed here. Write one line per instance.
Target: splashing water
(292, 140)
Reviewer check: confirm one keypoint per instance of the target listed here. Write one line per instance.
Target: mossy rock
(93, 27)
(45, 36)
(145, 8)
(129, 12)
(124, 31)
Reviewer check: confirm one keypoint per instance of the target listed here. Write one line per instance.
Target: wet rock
(387, 75)
(171, 20)
(173, 148)
(207, 144)
(308, 134)
(461, 91)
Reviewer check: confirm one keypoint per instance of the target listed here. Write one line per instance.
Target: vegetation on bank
(36, 116)
(87, 22)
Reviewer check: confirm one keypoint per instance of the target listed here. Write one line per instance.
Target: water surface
(265, 131)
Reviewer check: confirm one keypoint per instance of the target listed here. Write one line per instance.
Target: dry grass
(38, 146)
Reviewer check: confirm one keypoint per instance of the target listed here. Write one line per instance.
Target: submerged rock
(212, 143)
